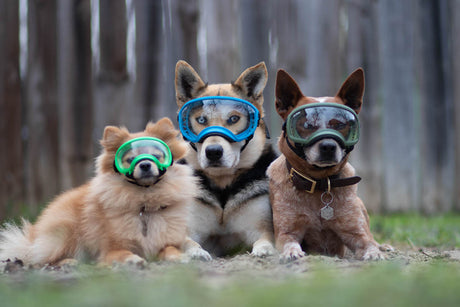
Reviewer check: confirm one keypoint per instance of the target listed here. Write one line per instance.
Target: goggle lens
(233, 118)
(310, 121)
(137, 149)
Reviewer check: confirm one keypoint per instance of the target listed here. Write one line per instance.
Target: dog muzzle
(140, 149)
(231, 118)
(311, 122)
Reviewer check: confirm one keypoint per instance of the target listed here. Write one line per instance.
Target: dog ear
(164, 124)
(287, 93)
(352, 90)
(188, 83)
(252, 81)
(165, 130)
(113, 137)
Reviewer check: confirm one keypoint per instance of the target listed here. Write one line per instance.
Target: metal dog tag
(327, 212)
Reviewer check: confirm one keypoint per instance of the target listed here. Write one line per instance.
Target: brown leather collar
(311, 185)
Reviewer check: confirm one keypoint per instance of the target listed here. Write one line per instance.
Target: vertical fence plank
(11, 162)
(149, 52)
(324, 47)
(400, 134)
(453, 11)
(436, 121)
(75, 92)
(218, 41)
(361, 50)
(181, 34)
(255, 32)
(111, 80)
(42, 171)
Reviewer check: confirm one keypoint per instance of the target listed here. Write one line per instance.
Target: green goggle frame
(142, 148)
(308, 123)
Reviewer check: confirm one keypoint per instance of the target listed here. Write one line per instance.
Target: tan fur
(296, 213)
(101, 219)
(248, 222)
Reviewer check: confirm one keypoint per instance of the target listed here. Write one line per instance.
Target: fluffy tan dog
(113, 218)
(312, 186)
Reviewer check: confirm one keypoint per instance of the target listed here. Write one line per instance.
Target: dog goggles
(232, 118)
(142, 148)
(308, 123)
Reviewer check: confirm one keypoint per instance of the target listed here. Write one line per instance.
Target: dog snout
(327, 148)
(145, 166)
(214, 152)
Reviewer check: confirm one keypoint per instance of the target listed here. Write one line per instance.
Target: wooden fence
(70, 67)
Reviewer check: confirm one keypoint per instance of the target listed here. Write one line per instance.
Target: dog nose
(327, 147)
(214, 152)
(145, 166)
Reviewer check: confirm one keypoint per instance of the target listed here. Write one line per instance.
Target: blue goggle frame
(188, 134)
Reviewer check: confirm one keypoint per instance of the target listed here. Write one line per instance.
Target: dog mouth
(146, 173)
(324, 154)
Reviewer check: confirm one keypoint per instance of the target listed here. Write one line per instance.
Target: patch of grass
(417, 230)
(387, 284)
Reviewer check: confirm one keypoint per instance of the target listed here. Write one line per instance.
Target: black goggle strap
(297, 148)
(267, 132)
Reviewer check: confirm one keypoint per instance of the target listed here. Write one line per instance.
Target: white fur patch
(14, 242)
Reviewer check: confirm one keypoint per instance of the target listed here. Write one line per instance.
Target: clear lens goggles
(309, 123)
(142, 148)
(233, 118)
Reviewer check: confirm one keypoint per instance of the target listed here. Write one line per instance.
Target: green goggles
(311, 122)
(139, 149)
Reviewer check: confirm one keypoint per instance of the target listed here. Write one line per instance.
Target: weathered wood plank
(42, 153)
(11, 162)
(74, 92)
(400, 139)
(362, 51)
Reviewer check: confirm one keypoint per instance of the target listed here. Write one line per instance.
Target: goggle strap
(246, 143)
(296, 148)
(267, 132)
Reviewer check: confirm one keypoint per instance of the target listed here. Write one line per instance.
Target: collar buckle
(310, 180)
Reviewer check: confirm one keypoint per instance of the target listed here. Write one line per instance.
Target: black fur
(257, 172)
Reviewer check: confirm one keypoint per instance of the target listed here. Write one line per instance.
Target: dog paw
(135, 260)
(197, 253)
(262, 248)
(373, 253)
(292, 251)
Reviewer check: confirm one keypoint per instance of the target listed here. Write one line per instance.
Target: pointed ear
(252, 81)
(113, 137)
(188, 83)
(287, 93)
(164, 124)
(164, 129)
(352, 90)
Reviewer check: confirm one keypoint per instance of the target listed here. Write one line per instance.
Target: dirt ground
(221, 270)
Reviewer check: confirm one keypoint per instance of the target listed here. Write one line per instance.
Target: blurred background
(70, 67)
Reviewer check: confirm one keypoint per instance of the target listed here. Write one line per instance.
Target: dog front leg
(122, 256)
(289, 247)
(263, 247)
(170, 253)
(194, 250)
(355, 233)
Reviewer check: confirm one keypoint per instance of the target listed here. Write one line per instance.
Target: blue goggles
(232, 118)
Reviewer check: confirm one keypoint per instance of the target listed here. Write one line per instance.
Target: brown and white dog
(233, 209)
(113, 218)
(297, 213)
